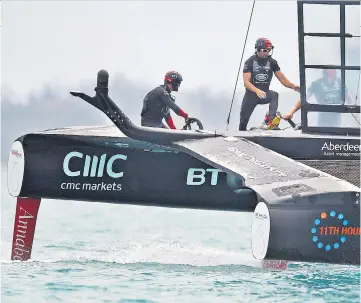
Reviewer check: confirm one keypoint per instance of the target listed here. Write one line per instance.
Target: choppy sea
(94, 252)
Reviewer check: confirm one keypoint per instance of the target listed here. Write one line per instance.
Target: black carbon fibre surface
(343, 169)
(258, 165)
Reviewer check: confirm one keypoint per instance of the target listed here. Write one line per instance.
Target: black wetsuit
(327, 94)
(261, 70)
(156, 106)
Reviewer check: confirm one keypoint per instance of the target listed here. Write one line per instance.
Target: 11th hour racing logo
(331, 230)
(91, 168)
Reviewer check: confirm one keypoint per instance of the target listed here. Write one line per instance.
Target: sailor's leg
(249, 103)
(270, 121)
(272, 98)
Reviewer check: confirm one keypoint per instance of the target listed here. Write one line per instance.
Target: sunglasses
(265, 50)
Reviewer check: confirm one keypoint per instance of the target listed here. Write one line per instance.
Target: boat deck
(113, 131)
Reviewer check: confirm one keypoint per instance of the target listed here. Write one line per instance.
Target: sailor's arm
(247, 75)
(294, 109)
(297, 105)
(247, 82)
(285, 82)
(349, 98)
(169, 121)
(169, 102)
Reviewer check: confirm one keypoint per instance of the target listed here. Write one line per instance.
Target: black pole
(343, 49)
(302, 71)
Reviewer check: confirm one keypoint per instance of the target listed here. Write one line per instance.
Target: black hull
(155, 175)
(152, 175)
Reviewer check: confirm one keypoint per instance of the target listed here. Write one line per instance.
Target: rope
(358, 85)
(240, 65)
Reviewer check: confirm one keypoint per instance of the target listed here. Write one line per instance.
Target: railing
(307, 107)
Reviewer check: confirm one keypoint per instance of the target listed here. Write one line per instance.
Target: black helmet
(173, 78)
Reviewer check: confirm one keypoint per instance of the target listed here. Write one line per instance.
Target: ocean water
(94, 252)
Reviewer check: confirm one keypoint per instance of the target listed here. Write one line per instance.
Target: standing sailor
(257, 76)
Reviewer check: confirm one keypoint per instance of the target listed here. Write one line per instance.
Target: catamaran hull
(120, 171)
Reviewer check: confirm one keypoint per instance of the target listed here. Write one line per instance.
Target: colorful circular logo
(324, 226)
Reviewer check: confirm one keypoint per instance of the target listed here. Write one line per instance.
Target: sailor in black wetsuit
(257, 76)
(158, 102)
(327, 91)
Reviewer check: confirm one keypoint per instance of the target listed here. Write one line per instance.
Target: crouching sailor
(257, 76)
(158, 102)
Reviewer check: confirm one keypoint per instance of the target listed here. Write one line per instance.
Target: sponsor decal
(332, 96)
(201, 176)
(196, 176)
(331, 230)
(261, 227)
(259, 163)
(16, 166)
(342, 150)
(21, 248)
(16, 153)
(260, 216)
(261, 77)
(92, 168)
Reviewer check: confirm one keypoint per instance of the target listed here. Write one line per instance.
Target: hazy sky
(51, 47)
(65, 42)
(69, 41)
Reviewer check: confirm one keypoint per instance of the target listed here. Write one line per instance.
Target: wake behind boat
(301, 184)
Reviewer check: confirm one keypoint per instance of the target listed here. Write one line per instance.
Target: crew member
(327, 91)
(257, 76)
(158, 102)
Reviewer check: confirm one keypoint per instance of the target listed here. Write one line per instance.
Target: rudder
(24, 228)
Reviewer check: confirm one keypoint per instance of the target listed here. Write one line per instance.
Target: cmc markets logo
(77, 164)
(345, 150)
(331, 230)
